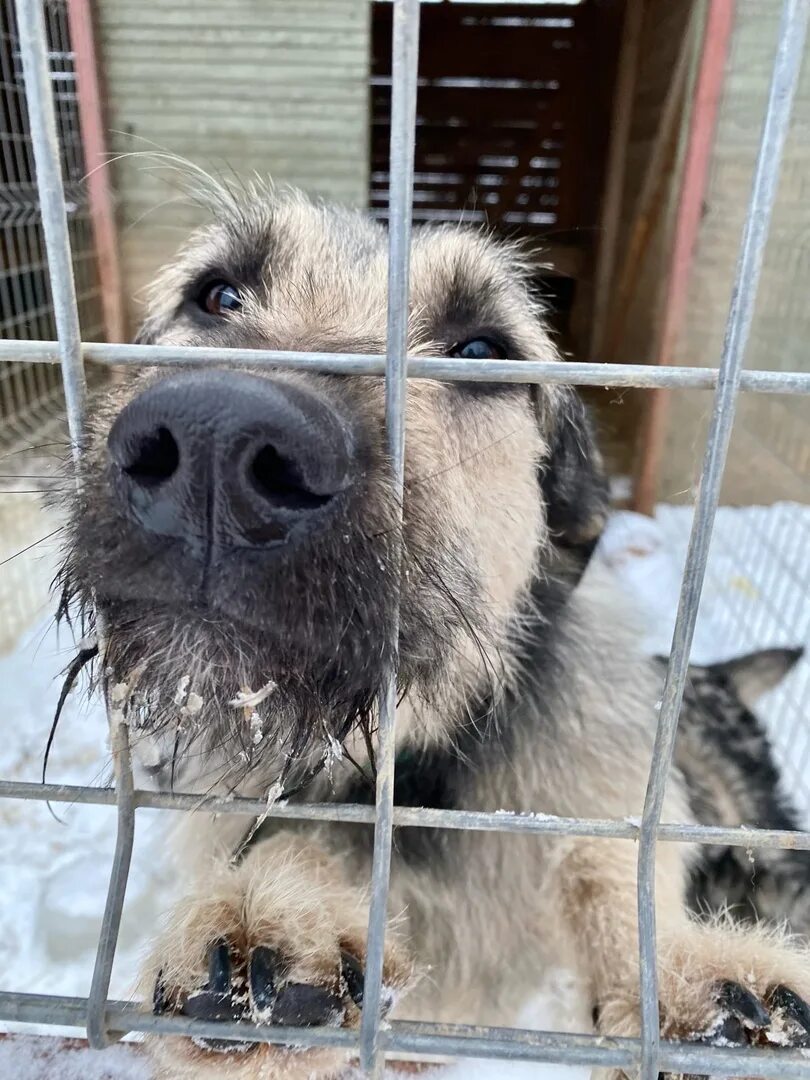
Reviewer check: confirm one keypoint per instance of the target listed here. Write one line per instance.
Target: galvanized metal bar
(404, 66)
(457, 1040)
(505, 821)
(39, 97)
(97, 1033)
(789, 54)
(565, 373)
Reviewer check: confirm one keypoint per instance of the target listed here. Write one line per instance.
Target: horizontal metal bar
(401, 1037)
(419, 367)
(412, 816)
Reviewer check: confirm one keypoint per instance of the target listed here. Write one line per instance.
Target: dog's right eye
(220, 298)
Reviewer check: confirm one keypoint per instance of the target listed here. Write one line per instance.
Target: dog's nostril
(156, 458)
(279, 480)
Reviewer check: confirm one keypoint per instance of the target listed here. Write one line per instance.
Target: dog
(239, 533)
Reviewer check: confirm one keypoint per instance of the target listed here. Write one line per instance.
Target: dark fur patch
(573, 482)
(726, 758)
(443, 777)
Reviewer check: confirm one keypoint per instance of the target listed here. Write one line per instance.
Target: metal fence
(31, 395)
(105, 1019)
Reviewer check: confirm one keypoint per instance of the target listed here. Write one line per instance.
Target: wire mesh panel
(106, 1019)
(31, 395)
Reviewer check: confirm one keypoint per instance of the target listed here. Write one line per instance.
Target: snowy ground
(53, 876)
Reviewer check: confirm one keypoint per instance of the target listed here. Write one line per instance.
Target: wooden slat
(521, 81)
(281, 88)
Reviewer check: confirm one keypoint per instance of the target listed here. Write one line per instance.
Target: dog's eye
(479, 348)
(220, 298)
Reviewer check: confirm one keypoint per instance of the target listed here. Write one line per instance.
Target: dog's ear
(757, 672)
(572, 480)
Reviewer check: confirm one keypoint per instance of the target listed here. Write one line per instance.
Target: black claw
(744, 1004)
(261, 977)
(302, 1005)
(730, 1031)
(793, 1007)
(219, 968)
(160, 996)
(203, 1005)
(353, 975)
(214, 1001)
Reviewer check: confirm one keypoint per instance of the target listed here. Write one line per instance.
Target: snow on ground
(24, 1058)
(36, 1058)
(53, 876)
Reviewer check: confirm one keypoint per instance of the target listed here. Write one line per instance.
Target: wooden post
(616, 167)
(102, 211)
(709, 86)
(651, 197)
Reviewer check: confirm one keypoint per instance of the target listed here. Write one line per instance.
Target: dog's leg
(718, 982)
(279, 939)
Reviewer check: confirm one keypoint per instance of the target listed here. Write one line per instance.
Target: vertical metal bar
(39, 97)
(97, 1034)
(405, 59)
(789, 53)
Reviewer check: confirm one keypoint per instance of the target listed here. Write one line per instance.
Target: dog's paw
(727, 986)
(257, 988)
(780, 1018)
(272, 944)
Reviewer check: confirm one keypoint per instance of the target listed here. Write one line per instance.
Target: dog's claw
(219, 968)
(160, 996)
(352, 972)
(744, 1005)
(731, 1032)
(215, 1001)
(303, 1005)
(261, 978)
(793, 1009)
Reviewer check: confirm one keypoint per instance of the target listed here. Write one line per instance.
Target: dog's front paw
(258, 988)
(272, 943)
(724, 985)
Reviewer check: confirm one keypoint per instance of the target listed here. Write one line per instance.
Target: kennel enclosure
(107, 1019)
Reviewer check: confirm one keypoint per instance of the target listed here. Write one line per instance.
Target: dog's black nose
(229, 459)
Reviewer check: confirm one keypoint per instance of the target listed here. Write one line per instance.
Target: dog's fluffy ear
(572, 481)
(752, 675)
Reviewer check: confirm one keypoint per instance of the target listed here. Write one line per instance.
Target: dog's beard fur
(319, 662)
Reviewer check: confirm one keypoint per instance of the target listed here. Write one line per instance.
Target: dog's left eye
(479, 348)
(220, 298)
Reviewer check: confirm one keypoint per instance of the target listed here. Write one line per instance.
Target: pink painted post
(91, 117)
(708, 90)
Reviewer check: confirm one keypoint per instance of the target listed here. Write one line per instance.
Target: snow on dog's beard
(211, 707)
